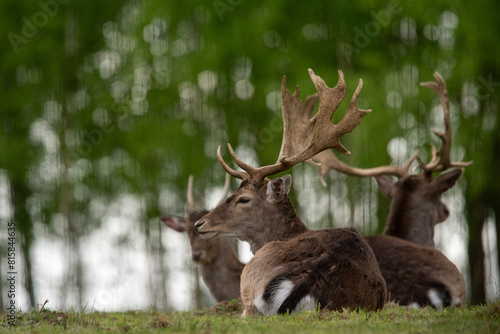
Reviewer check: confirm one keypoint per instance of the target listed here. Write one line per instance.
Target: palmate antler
(440, 159)
(305, 136)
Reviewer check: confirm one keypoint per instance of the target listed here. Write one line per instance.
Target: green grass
(227, 319)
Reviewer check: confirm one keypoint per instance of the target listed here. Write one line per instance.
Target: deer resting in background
(417, 276)
(415, 272)
(295, 268)
(219, 265)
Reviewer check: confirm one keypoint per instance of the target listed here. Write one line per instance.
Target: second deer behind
(219, 265)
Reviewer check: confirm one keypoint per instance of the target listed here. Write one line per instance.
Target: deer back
(417, 275)
(331, 269)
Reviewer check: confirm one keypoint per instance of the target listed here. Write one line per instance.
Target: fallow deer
(295, 268)
(219, 265)
(415, 272)
(416, 206)
(416, 275)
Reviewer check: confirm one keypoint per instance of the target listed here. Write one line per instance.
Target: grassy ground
(227, 319)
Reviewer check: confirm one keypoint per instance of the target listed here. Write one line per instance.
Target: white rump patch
(281, 292)
(435, 299)
(279, 295)
(307, 303)
(414, 306)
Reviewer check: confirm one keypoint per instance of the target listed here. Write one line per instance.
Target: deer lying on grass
(295, 268)
(415, 274)
(217, 259)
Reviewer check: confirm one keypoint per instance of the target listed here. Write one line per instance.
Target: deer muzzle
(198, 226)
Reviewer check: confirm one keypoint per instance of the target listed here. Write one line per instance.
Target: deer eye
(243, 200)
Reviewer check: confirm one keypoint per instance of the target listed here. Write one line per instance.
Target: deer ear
(446, 180)
(174, 222)
(278, 188)
(385, 185)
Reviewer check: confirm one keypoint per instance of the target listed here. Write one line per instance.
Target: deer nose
(198, 224)
(196, 256)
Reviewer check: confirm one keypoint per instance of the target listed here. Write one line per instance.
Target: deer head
(416, 205)
(217, 259)
(260, 210)
(202, 251)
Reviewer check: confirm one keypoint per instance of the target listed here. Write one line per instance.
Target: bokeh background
(107, 107)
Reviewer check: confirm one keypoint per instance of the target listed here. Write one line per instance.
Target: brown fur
(219, 265)
(335, 267)
(406, 255)
(342, 269)
(416, 206)
(275, 221)
(411, 271)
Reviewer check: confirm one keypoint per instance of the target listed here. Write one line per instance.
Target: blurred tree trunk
(477, 215)
(497, 230)
(496, 199)
(150, 253)
(482, 195)
(24, 226)
(156, 251)
(162, 269)
(74, 280)
(4, 302)
(197, 290)
(158, 272)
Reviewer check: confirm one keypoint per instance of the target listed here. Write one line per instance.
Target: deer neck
(222, 276)
(228, 258)
(413, 223)
(281, 224)
(227, 261)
